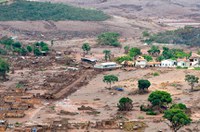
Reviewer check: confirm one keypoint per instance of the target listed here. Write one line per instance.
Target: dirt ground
(130, 18)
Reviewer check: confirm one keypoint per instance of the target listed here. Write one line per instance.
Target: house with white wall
(194, 60)
(140, 62)
(168, 63)
(183, 62)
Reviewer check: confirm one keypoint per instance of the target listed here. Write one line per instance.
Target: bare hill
(129, 17)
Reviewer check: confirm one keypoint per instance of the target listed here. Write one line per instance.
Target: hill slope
(29, 10)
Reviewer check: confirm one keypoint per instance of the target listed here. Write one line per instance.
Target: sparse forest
(187, 35)
(22, 10)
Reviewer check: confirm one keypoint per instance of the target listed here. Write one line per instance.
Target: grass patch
(179, 67)
(22, 10)
(197, 68)
(156, 74)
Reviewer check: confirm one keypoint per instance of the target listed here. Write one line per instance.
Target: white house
(140, 62)
(183, 62)
(154, 64)
(107, 65)
(168, 63)
(195, 60)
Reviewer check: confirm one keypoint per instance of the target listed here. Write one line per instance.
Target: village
(99, 66)
(36, 98)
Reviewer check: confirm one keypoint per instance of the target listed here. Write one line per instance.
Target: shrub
(109, 38)
(150, 112)
(3, 52)
(156, 74)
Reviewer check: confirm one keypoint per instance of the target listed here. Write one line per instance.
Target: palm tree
(107, 54)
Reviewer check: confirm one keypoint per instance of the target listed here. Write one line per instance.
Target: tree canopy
(143, 84)
(110, 79)
(160, 98)
(107, 54)
(133, 52)
(109, 38)
(125, 104)
(177, 118)
(86, 47)
(191, 79)
(179, 106)
(4, 68)
(154, 51)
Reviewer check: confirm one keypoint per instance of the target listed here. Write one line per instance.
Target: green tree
(4, 68)
(177, 118)
(123, 58)
(179, 106)
(126, 49)
(109, 79)
(143, 84)
(160, 98)
(107, 54)
(23, 51)
(160, 58)
(17, 45)
(45, 48)
(7, 42)
(154, 51)
(109, 38)
(29, 48)
(37, 52)
(148, 57)
(191, 79)
(125, 104)
(86, 47)
(133, 52)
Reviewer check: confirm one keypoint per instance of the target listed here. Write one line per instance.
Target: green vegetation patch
(186, 35)
(28, 10)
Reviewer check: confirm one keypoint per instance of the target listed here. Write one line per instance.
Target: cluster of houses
(193, 61)
(140, 61)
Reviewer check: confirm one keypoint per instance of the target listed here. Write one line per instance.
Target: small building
(107, 66)
(183, 62)
(168, 63)
(3, 125)
(140, 62)
(128, 63)
(194, 60)
(153, 64)
(89, 60)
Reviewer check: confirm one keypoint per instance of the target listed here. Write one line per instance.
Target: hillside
(29, 10)
(188, 35)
